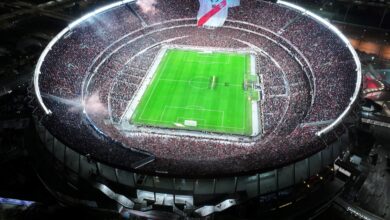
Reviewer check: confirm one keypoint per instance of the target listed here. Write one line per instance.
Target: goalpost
(250, 87)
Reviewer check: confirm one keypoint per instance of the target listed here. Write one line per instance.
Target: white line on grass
(221, 113)
(190, 81)
(154, 85)
(205, 62)
(156, 122)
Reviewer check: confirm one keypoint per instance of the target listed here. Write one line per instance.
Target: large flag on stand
(213, 13)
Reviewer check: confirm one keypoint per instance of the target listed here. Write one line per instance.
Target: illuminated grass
(193, 87)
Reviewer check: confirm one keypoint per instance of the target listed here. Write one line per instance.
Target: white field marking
(133, 103)
(178, 125)
(204, 109)
(274, 61)
(185, 81)
(204, 55)
(205, 81)
(202, 122)
(155, 85)
(255, 109)
(207, 57)
(197, 109)
(200, 109)
(191, 123)
(109, 55)
(159, 78)
(154, 121)
(223, 120)
(189, 107)
(163, 112)
(191, 81)
(150, 121)
(225, 138)
(194, 106)
(205, 62)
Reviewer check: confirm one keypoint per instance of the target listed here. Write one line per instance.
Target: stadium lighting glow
(16, 202)
(174, 143)
(37, 70)
(338, 120)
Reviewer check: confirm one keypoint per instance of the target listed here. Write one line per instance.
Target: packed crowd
(332, 63)
(112, 62)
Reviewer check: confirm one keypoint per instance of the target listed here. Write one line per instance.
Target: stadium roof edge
(333, 28)
(37, 70)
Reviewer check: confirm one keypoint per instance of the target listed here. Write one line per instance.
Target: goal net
(248, 85)
(190, 123)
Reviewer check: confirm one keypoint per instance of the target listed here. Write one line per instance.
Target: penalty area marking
(181, 119)
(176, 124)
(154, 85)
(205, 62)
(220, 113)
(192, 81)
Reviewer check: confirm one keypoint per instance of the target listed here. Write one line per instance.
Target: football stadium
(153, 106)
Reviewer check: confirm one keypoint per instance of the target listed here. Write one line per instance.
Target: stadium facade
(309, 81)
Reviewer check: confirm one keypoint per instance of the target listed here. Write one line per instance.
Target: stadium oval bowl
(309, 75)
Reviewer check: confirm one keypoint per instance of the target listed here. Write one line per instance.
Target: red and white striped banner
(213, 13)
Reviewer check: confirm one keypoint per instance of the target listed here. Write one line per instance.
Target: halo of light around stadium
(299, 81)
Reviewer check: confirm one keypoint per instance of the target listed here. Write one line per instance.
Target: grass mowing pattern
(204, 87)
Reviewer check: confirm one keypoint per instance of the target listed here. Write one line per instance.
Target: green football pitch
(194, 90)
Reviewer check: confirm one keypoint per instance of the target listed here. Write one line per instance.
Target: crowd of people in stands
(307, 73)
